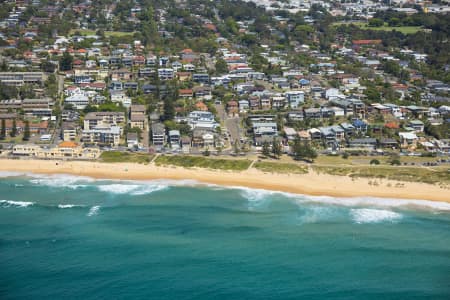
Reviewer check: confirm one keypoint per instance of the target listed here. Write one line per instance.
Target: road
(234, 128)
(233, 125)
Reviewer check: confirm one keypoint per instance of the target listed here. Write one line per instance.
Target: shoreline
(305, 184)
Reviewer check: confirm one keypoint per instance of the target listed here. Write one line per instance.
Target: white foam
(93, 211)
(256, 195)
(117, 188)
(366, 215)
(60, 180)
(142, 188)
(4, 174)
(317, 214)
(68, 206)
(377, 202)
(8, 203)
(260, 194)
(257, 199)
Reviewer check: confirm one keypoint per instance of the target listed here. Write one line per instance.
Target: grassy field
(413, 174)
(402, 29)
(122, 157)
(365, 160)
(107, 33)
(279, 167)
(203, 162)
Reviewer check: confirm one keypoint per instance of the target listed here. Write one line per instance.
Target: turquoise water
(76, 238)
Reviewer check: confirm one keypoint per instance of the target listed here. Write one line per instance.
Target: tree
(66, 61)
(375, 22)
(221, 66)
(266, 149)
(48, 66)
(3, 130)
(26, 133)
(302, 32)
(276, 148)
(169, 109)
(303, 150)
(14, 129)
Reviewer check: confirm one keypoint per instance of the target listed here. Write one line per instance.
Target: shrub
(345, 155)
(395, 162)
(374, 162)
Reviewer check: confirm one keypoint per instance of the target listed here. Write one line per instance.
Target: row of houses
(64, 150)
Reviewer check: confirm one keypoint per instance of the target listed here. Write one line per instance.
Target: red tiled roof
(366, 42)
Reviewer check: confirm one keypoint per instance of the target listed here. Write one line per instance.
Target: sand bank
(309, 184)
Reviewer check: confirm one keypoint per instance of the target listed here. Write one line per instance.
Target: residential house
(132, 140)
(65, 150)
(79, 101)
(120, 97)
(93, 119)
(165, 74)
(408, 139)
(121, 74)
(200, 78)
(232, 108)
(295, 98)
(202, 92)
(243, 106)
(264, 128)
(68, 131)
(186, 93)
(388, 143)
(21, 78)
(174, 139)
(278, 102)
(104, 134)
(416, 125)
(367, 143)
(158, 134)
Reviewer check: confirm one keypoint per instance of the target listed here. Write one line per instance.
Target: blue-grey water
(64, 237)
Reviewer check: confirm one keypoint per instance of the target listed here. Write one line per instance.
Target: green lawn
(187, 161)
(402, 29)
(439, 175)
(279, 167)
(365, 159)
(125, 157)
(107, 33)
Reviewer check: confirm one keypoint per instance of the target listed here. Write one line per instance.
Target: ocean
(66, 237)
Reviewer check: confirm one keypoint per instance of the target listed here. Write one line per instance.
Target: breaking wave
(9, 203)
(93, 211)
(366, 215)
(63, 206)
(132, 189)
(317, 214)
(61, 181)
(260, 195)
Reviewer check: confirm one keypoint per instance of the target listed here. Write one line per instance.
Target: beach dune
(310, 184)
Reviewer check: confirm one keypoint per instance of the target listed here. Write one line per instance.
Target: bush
(374, 162)
(428, 154)
(345, 155)
(395, 162)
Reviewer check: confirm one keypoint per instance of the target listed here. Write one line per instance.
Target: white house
(79, 101)
(295, 98)
(120, 97)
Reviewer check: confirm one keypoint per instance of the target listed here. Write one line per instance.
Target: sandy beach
(309, 184)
